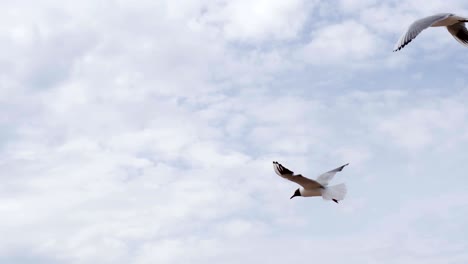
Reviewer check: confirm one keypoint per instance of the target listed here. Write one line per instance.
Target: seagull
(317, 187)
(455, 25)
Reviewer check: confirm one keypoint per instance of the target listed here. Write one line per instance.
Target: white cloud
(434, 124)
(343, 43)
(257, 21)
(356, 6)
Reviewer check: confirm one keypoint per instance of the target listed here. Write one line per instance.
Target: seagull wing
(299, 179)
(326, 177)
(416, 28)
(459, 32)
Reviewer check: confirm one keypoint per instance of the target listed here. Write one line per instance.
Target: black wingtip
(341, 168)
(403, 45)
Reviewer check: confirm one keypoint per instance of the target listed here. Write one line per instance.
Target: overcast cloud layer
(144, 131)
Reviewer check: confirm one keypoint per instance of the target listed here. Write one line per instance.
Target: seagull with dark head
(317, 187)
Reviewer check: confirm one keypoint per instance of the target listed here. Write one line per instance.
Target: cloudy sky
(143, 132)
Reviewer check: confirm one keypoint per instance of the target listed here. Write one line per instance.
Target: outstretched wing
(459, 32)
(416, 28)
(326, 177)
(299, 179)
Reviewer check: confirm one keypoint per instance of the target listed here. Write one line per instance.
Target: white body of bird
(448, 21)
(337, 192)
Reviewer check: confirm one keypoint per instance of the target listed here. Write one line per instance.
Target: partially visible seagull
(455, 25)
(318, 187)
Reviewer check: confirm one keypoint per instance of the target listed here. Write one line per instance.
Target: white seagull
(318, 187)
(455, 25)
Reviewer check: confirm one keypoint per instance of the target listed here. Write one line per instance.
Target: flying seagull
(317, 187)
(455, 25)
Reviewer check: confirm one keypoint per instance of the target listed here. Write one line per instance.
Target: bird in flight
(455, 25)
(318, 187)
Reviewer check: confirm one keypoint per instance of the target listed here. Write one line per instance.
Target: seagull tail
(335, 192)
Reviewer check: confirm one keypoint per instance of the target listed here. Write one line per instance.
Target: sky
(144, 132)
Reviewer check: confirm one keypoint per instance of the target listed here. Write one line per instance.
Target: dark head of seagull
(296, 193)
